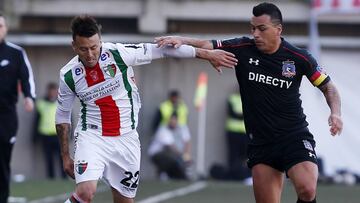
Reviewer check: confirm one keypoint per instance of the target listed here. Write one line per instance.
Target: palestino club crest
(110, 70)
(94, 75)
(288, 69)
(81, 166)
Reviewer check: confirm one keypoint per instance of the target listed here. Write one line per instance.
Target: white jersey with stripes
(108, 94)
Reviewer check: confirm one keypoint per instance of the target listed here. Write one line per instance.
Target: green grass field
(210, 192)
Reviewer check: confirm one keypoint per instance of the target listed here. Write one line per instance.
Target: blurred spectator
(170, 149)
(172, 106)
(236, 135)
(14, 68)
(45, 130)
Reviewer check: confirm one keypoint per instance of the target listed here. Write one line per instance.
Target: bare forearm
(199, 43)
(187, 149)
(177, 41)
(202, 53)
(63, 132)
(332, 98)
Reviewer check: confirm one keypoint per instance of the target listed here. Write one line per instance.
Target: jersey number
(127, 181)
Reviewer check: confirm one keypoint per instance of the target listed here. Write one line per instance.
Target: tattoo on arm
(63, 132)
(332, 97)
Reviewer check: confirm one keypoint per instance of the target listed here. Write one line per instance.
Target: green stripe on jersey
(69, 80)
(123, 68)
(83, 116)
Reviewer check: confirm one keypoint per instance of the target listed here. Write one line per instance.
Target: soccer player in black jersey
(269, 71)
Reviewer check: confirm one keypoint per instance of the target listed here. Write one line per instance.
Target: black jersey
(269, 87)
(14, 67)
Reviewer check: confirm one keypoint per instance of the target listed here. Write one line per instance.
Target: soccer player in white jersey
(106, 141)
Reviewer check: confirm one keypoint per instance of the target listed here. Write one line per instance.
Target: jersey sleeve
(135, 54)
(66, 97)
(315, 74)
(26, 76)
(230, 44)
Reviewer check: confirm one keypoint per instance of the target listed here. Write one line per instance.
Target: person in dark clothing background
(45, 131)
(14, 67)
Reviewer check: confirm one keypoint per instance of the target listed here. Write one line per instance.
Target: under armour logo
(312, 155)
(251, 61)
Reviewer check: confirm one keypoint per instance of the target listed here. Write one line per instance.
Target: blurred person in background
(173, 105)
(237, 141)
(269, 73)
(14, 68)
(45, 130)
(106, 141)
(170, 149)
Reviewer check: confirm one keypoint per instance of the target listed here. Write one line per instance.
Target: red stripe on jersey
(315, 76)
(296, 53)
(236, 45)
(110, 116)
(94, 75)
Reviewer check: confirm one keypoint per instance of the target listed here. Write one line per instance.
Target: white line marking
(175, 193)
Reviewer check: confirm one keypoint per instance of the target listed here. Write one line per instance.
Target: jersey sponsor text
(269, 80)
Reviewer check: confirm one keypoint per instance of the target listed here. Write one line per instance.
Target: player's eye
(262, 28)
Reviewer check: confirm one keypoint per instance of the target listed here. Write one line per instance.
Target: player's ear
(73, 45)
(279, 29)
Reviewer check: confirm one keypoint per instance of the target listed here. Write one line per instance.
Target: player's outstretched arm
(63, 132)
(177, 41)
(333, 100)
(217, 58)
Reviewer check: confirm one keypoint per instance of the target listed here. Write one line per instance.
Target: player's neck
(275, 47)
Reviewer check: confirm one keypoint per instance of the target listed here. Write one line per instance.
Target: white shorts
(115, 159)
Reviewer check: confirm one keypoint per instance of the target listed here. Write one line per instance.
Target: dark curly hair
(84, 26)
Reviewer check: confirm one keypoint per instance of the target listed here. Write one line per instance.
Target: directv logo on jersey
(269, 80)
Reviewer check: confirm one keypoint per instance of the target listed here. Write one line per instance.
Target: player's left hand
(336, 124)
(174, 41)
(28, 104)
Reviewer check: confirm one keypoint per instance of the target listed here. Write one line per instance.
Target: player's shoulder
(297, 52)
(126, 50)
(234, 42)
(13, 47)
(71, 65)
(109, 45)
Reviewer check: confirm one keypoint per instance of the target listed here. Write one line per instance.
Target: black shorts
(282, 155)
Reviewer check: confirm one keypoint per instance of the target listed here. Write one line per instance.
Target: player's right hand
(164, 41)
(336, 124)
(28, 104)
(68, 166)
(218, 58)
